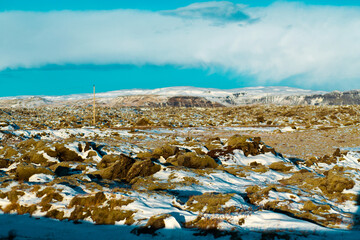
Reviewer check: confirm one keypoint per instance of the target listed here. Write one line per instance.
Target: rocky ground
(260, 172)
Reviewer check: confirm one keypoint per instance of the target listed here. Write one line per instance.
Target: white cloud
(315, 45)
(218, 11)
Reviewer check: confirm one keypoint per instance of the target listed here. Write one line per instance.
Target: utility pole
(94, 109)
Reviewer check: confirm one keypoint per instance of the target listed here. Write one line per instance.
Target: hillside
(192, 97)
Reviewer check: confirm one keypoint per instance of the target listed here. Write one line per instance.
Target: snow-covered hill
(201, 97)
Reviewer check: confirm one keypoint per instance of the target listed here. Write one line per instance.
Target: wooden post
(94, 109)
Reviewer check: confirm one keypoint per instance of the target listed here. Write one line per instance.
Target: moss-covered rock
(110, 159)
(115, 167)
(250, 146)
(143, 122)
(108, 216)
(165, 151)
(238, 141)
(8, 152)
(193, 160)
(334, 182)
(280, 167)
(66, 155)
(153, 224)
(34, 157)
(157, 222)
(55, 214)
(91, 154)
(142, 169)
(4, 163)
(25, 171)
(88, 201)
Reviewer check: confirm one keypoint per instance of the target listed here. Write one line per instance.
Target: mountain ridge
(193, 97)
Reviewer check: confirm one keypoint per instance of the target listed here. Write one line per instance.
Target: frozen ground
(171, 192)
(181, 182)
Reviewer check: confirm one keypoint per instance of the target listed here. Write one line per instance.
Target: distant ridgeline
(192, 97)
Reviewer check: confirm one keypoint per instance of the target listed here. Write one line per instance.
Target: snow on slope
(182, 91)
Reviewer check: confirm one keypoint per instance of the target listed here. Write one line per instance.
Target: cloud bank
(313, 45)
(220, 11)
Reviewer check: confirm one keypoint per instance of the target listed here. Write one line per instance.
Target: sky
(50, 47)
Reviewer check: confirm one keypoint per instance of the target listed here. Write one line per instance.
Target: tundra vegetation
(205, 162)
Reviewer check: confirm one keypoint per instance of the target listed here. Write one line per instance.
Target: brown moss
(309, 162)
(327, 159)
(66, 155)
(3, 195)
(130, 220)
(237, 171)
(26, 209)
(193, 160)
(203, 223)
(143, 122)
(108, 160)
(157, 222)
(108, 216)
(256, 194)
(55, 214)
(208, 202)
(301, 178)
(4, 163)
(142, 169)
(91, 154)
(250, 146)
(80, 147)
(199, 151)
(334, 182)
(34, 157)
(165, 151)
(257, 167)
(88, 201)
(27, 144)
(238, 141)
(150, 183)
(50, 152)
(49, 197)
(118, 203)
(315, 208)
(119, 169)
(10, 207)
(25, 171)
(47, 190)
(280, 167)
(188, 181)
(241, 221)
(13, 195)
(8, 152)
(79, 213)
(144, 155)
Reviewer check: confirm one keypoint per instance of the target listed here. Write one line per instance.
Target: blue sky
(53, 47)
(48, 5)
